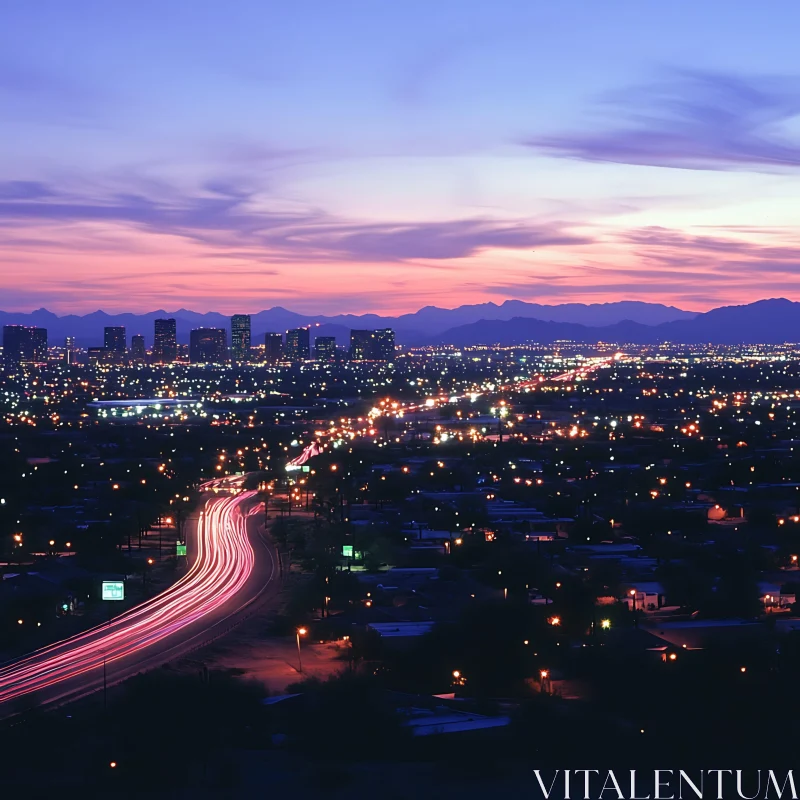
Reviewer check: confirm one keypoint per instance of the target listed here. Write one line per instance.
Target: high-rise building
(138, 351)
(114, 338)
(325, 348)
(298, 347)
(165, 341)
(39, 343)
(383, 345)
(240, 337)
(372, 345)
(273, 348)
(114, 343)
(208, 346)
(69, 350)
(22, 345)
(359, 344)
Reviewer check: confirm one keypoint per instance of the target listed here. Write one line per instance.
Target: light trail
(308, 452)
(226, 483)
(224, 562)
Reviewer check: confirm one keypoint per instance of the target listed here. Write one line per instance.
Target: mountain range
(772, 321)
(420, 327)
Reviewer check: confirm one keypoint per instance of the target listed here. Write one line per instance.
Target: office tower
(273, 348)
(359, 344)
(69, 350)
(298, 347)
(372, 345)
(325, 348)
(383, 345)
(23, 345)
(165, 341)
(39, 345)
(208, 346)
(138, 352)
(114, 342)
(240, 337)
(114, 339)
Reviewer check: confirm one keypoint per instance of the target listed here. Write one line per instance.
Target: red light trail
(224, 562)
(308, 452)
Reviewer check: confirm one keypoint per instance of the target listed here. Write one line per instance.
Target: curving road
(226, 576)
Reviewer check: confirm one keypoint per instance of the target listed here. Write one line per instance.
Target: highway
(231, 568)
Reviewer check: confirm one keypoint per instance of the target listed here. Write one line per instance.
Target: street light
(605, 624)
(300, 632)
(545, 686)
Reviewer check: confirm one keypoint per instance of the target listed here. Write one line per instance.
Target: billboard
(113, 590)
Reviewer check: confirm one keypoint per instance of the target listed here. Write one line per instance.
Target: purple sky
(370, 156)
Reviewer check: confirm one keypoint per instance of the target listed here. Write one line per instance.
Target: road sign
(113, 590)
(180, 549)
(347, 550)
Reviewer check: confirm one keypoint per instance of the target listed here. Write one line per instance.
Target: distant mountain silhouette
(764, 322)
(417, 328)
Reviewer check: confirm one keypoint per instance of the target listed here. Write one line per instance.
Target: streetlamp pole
(300, 632)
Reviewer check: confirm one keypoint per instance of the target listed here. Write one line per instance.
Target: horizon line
(393, 316)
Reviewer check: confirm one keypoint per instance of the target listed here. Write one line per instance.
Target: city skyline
(399, 399)
(254, 161)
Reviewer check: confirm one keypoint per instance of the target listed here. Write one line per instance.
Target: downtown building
(23, 345)
(298, 344)
(138, 350)
(240, 338)
(325, 349)
(70, 350)
(208, 346)
(368, 345)
(165, 341)
(114, 344)
(114, 338)
(273, 348)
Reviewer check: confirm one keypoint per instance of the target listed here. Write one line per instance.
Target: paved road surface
(232, 568)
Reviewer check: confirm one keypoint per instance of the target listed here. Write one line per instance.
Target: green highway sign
(113, 590)
(180, 549)
(347, 550)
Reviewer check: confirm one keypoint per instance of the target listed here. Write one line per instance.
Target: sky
(332, 156)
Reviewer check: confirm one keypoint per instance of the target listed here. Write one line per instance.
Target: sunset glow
(138, 172)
